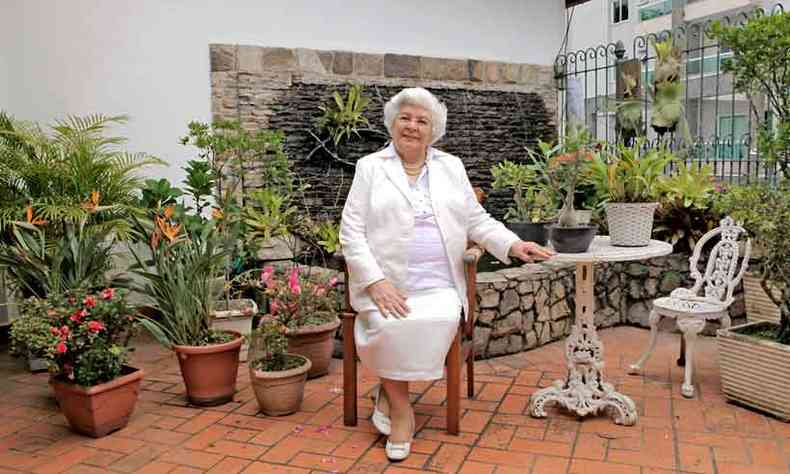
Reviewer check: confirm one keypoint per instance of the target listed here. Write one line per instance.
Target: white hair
(419, 97)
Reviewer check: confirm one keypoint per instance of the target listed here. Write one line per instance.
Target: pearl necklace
(413, 171)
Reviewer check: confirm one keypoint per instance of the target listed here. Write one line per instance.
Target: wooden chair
(690, 309)
(461, 350)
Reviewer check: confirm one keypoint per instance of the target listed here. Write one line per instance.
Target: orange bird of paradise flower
(91, 204)
(34, 220)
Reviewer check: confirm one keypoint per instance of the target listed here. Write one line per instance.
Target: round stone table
(584, 391)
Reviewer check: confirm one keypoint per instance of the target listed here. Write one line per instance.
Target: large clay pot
(315, 343)
(280, 392)
(99, 410)
(210, 371)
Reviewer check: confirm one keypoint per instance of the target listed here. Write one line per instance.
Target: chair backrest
(720, 277)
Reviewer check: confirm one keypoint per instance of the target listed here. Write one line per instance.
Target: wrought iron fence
(722, 124)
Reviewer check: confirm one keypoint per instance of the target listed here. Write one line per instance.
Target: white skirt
(415, 347)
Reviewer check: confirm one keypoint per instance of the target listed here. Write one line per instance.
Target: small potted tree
(561, 168)
(308, 307)
(535, 203)
(185, 263)
(87, 351)
(278, 378)
(627, 181)
(755, 357)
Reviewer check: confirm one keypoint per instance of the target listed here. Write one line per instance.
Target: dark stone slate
(401, 65)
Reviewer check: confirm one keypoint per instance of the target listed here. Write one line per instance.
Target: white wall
(149, 58)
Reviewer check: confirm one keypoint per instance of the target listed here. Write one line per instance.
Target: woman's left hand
(530, 251)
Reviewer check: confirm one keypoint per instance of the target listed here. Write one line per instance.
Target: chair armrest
(473, 254)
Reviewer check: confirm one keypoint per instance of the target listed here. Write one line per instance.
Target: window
(706, 64)
(619, 11)
(732, 132)
(655, 10)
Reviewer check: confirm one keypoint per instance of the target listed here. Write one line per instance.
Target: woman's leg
(400, 410)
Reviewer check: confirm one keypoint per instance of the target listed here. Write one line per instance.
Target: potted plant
(186, 259)
(754, 358)
(307, 306)
(29, 337)
(668, 108)
(627, 181)
(561, 168)
(278, 378)
(535, 203)
(95, 389)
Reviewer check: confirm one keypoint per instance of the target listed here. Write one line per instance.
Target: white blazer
(377, 226)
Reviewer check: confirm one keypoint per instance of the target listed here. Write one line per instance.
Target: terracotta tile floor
(703, 435)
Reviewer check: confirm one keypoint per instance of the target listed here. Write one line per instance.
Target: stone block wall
(495, 109)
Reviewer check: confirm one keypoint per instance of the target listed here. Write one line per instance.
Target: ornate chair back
(722, 272)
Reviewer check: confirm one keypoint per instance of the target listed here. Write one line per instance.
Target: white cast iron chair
(691, 310)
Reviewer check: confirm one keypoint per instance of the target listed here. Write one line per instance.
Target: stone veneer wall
(529, 306)
(494, 108)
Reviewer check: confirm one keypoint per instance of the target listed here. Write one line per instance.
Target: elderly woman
(405, 226)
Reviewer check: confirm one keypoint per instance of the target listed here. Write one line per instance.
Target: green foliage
(560, 168)
(41, 265)
(686, 212)
(88, 334)
(343, 117)
(268, 343)
(668, 106)
(200, 182)
(759, 65)
(765, 213)
(180, 282)
(29, 334)
(74, 172)
(159, 193)
(534, 202)
(626, 174)
(328, 233)
(268, 214)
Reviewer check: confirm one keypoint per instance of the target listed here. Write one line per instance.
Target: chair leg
(636, 368)
(454, 386)
(349, 374)
(690, 327)
(470, 374)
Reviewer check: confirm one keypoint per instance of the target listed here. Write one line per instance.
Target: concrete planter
(759, 306)
(755, 372)
(235, 316)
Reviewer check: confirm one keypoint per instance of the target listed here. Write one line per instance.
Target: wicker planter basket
(755, 372)
(630, 223)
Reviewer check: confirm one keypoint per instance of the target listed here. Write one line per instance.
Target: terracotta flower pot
(280, 392)
(99, 410)
(315, 343)
(210, 371)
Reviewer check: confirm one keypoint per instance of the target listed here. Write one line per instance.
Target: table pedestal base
(584, 392)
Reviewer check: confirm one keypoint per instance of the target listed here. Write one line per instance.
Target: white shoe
(397, 452)
(380, 420)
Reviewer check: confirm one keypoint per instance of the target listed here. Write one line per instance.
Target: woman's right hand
(390, 300)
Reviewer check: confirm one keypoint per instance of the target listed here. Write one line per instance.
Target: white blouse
(429, 266)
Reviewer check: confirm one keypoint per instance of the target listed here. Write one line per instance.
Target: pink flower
(61, 348)
(54, 331)
(332, 282)
(319, 290)
(95, 326)
(293, 282)
(64, 331)
(266, 275)
(274, 306)
(108, 293)
(89, 301)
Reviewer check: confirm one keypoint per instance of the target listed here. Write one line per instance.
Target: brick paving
(165, 435)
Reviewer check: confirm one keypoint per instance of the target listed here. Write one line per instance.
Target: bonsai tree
(760, 67)
(765, 213)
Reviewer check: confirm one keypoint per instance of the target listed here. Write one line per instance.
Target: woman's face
(411, 131)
